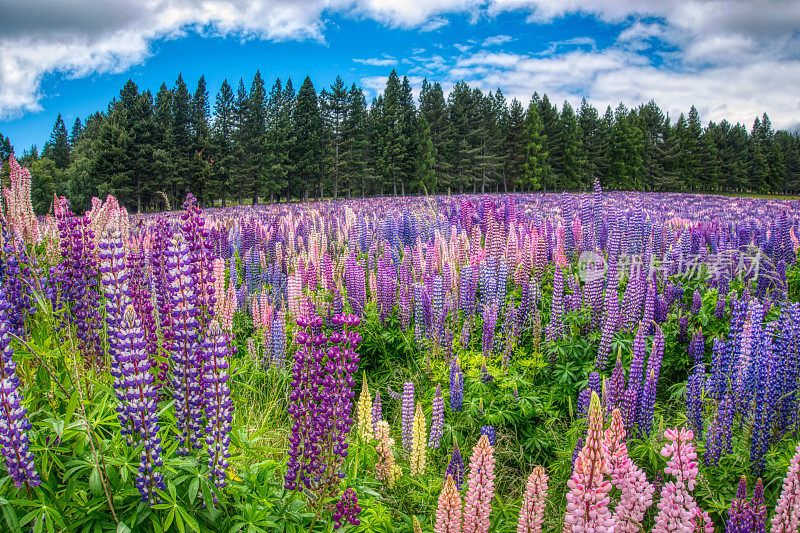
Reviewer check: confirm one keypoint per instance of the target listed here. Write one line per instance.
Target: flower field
(607, 362)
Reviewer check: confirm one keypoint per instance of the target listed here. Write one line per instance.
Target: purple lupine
(739, 517)
(615, 388)
(19, 283)
(694, 400)
(437, 419)
(277, 344)
(14, 424)
(355, 283)
(185, 347)
(456, 385)
(489, 323)
(201, 256)
(758, 509)
(408, 415)
(697, 301)
(720, 432)
(142, 304)
(141, 404)
(553, 330)
(609, 326)
(697, 349)
(490, 434)
(683, 328)
(765, 395)
(455, 467)
(648, 399)
(305, 440)
(347, 510)
(218, 404)
(79, 280)
(337, 393)
(158, 263)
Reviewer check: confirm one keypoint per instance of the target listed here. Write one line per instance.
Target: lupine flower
(677, 507)
(694, 399)
(217, 401)
(418, 445)
(386, 468)
(531, 514)
(408, 416)
(739, 517)
(448, 514)
(758, 509)
(636, 493)
(415, 524)
(648, 400)
(489, 432)
(456, 385)
(478, 502)
(720, 433)
(377, 412)
(437, 418)
(455, 467)
(787, 511)
(587, 498)
(14, 424)
(347, 510)
(366, 427)
(185, 347)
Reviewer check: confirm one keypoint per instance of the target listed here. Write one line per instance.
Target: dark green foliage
(261, 145)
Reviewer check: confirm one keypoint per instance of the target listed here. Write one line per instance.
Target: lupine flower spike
(418, 446)
(787, 512)
(448, 514)
(366, 428)
(478, 503)
(531, 514)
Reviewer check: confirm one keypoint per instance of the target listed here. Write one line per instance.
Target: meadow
(608, 362)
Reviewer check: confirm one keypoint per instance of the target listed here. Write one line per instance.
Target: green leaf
(122, 528)
(194, 486)
(95, 485)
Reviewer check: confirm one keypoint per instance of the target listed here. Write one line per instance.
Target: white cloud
(732, 58)
(497, 40)
(385, 61)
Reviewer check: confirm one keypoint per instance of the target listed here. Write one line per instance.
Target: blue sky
(732, 59)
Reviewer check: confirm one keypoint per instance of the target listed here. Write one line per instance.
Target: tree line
(257, 145)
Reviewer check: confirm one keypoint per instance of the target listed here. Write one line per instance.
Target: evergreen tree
(355, 142)
(76, 132)
(57, 148)
(589, 123)
(222, 139)
(574, 155)
(6, 149)
(515, 146)
(255, 139)
(334, 113)
(202, 160)
(536, 167)
(239, 155)
(433, 108)
(180, 141)
(307, 133)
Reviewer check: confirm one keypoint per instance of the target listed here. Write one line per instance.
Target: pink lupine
(787, 512)
(448, 514)
(636, 491)
(531, 514)
(677, 508)
(478, 505)
(587, 499)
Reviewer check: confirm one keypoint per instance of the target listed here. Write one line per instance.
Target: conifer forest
(292, 310)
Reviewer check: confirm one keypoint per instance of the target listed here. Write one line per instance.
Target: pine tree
(307, 133)
(75, 132)
(222, 139)
(6, 149)
(433, 108)
(589, 123)
(201, 160)
(255, 134)
(334, 113)
(515, 146)
(240, 133)
(574, 155)
(180, 140)
(553, 132)
(536, 167)
(356, 144)
(57, 148)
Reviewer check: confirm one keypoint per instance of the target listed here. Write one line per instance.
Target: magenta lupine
(758, 509)
(587, 497)
(407, 418)
(201, 256)
(14, 424)
(531, 513)
(217, 399)
(437, 418)
(480, 492)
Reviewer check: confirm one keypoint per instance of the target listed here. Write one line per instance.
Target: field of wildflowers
(608, 362)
